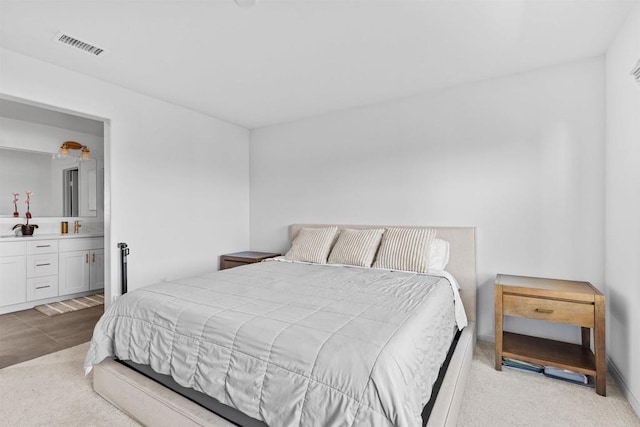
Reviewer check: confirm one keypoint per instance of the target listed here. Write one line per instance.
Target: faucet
(76, 226)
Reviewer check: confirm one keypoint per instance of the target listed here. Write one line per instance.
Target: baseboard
(486, 337)
(615, 373)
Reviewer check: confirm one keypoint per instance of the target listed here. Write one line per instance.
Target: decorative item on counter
(64, 227)
(27, 229)
(28, 202)
(15, 205)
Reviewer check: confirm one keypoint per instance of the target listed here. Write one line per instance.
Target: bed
(352, 367)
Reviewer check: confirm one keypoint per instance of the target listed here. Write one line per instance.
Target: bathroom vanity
(46, 268)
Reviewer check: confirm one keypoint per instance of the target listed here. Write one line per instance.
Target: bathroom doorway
(69, 188)
(70, 192)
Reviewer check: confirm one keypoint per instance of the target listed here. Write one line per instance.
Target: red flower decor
(28, 201)
(15, 205)
(27, 229)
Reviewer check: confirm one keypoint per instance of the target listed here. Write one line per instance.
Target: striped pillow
(312, 245)
(356, 247)
(405, 249)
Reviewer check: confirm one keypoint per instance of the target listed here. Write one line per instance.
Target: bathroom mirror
(62, 187)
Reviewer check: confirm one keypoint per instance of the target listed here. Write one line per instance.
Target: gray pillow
(405, 249)
(356, 247)
(312, 245)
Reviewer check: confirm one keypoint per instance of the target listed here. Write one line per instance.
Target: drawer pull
(86, 258)
(43, 246)
(544, 310)
(43, 287)
(42, 265)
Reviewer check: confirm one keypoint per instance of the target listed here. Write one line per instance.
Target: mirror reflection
(62, 187)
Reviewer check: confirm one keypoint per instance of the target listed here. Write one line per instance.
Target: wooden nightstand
(561, 301)
(243, 258)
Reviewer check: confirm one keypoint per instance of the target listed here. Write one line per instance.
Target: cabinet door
(13, 280)
(97, 269)
(74, 272)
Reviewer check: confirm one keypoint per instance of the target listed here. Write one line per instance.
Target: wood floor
(28, 334)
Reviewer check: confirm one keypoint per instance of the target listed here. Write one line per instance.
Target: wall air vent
(79, 44)
(635, 72)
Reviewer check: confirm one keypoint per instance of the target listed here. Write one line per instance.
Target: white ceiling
(284, 60)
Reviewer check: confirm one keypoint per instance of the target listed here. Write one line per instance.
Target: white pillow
(312, 245)
(439, 255)
(356, 247)
(405, 249)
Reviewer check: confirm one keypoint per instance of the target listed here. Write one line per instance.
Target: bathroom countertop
(45, 236)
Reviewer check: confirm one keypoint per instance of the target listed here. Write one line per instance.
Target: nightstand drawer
(230, 264)
(239, 259)
(573, 313)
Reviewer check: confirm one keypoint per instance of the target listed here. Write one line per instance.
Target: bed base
(153, 404)
(447, 404)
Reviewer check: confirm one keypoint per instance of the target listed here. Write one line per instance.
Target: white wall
(519, 157)
(178, 180)
(622, 227)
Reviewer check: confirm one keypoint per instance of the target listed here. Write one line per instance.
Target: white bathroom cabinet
(81, 265)
(35, 271)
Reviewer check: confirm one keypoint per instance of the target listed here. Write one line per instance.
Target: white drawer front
(42, 247)
(12, 248)
(42, 265)
(81, 244)
(42, 287)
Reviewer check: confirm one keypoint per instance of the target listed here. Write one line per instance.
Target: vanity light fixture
(72, 145)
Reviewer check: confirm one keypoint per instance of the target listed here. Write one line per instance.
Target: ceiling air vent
(79, 44)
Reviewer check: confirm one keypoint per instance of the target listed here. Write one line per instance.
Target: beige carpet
(517, 398)
(69, 305)
(52, 391)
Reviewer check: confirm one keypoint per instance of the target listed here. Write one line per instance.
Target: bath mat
(66, 306)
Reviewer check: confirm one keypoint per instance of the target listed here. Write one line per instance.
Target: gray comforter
(292, 344)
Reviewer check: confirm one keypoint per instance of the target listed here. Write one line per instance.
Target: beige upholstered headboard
(462, 258)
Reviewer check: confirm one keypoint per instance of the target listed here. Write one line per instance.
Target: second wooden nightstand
(561, 301)
(243, 258)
